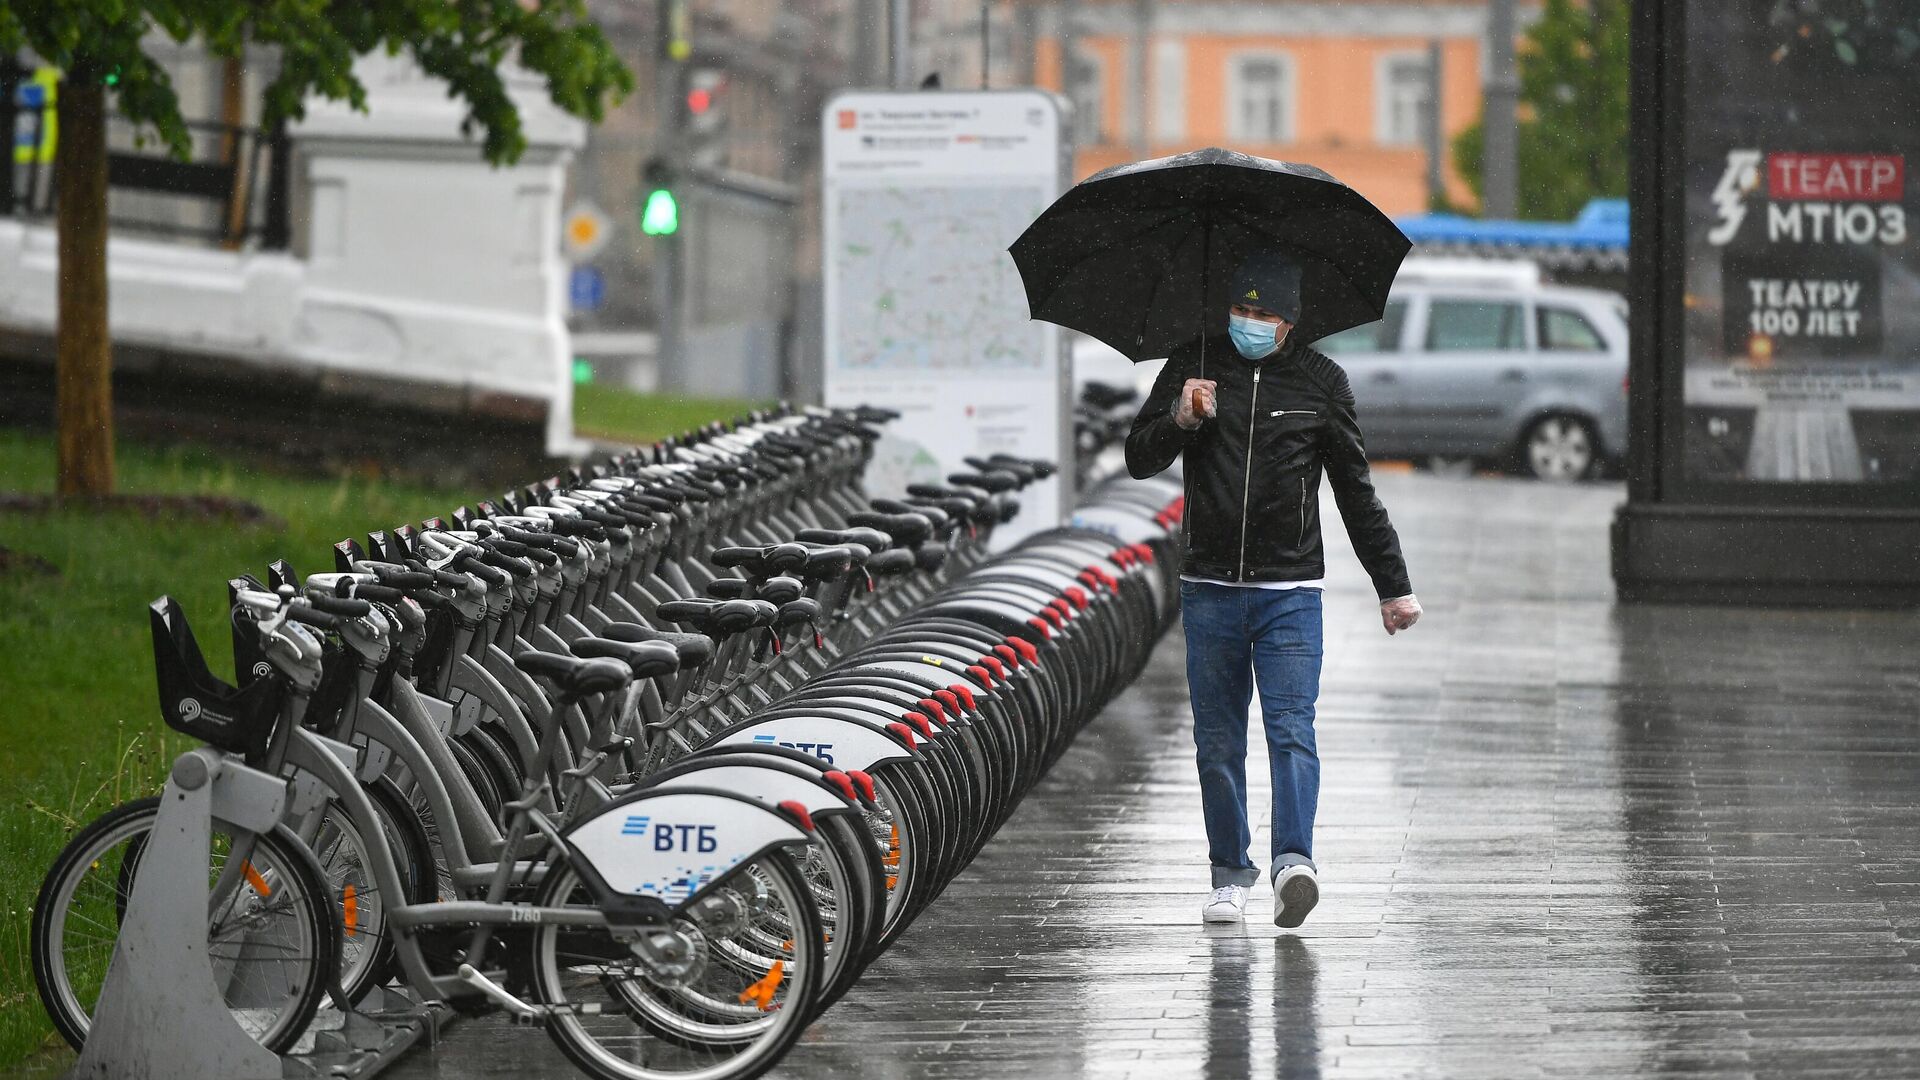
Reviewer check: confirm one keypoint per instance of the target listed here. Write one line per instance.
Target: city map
(925, 283)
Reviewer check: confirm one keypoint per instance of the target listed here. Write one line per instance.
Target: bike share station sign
(925, 313)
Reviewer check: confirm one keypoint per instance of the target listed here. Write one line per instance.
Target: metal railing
(232, 192)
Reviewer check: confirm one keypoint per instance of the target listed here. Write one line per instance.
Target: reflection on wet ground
(1558, 839)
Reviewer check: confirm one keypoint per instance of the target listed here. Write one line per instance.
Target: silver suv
(1479, 360)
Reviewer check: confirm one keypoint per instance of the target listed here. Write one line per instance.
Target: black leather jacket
(1253, 469)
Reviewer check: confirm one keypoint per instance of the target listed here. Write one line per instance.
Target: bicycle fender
(844, 744)
(770, 787)
(669, 845)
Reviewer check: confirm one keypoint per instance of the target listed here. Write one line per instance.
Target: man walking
(1257, 419)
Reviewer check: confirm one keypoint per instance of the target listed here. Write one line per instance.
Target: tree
(1573, 111)
(99, 44)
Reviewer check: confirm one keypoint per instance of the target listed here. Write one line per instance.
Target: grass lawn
(80, 725)
(615, 415)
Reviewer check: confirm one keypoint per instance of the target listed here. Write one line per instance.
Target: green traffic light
(661, 216)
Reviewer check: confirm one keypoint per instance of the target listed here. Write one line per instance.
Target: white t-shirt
(1313, 583)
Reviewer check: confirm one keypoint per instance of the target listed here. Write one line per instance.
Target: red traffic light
(699, 100)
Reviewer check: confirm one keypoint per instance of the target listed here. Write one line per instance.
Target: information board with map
(923, 192)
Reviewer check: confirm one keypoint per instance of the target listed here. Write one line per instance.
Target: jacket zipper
(1291, 412)
(1302, 541)
(1246, 490)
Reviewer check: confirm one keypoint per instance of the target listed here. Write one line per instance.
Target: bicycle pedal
(519, 1010)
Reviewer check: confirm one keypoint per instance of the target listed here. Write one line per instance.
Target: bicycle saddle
(780, 590)
(976, 508)
(718, 617)
(941, 521)
(891, 563)
(694, 649)
(731, 588)
(830, 562)
(1021, 470)
(930, 558)
(871, 539)
(954, 510)
(993, 480)
(1040, 467)
(762, 561)
(647, 659)
(575, 676)
(907, 530)
(805, 610)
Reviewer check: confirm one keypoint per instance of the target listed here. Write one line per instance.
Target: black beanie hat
(1269, 280)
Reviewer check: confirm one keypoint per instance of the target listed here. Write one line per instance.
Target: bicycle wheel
(728, 1009)
(479, 776)
(273, 943)
(366, 943)
(358, 908)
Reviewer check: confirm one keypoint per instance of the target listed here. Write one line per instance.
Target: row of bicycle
(657, 755)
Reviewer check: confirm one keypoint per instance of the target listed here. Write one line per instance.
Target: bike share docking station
(161, 1012)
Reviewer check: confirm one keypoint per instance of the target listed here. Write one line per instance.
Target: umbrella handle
(1206, 257)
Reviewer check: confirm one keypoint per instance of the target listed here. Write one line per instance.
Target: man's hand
(1397, 615)
(1195, 404)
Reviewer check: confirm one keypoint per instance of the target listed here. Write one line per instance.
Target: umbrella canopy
(1139, 255)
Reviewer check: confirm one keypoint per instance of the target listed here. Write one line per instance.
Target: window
(1381, 336)
(1461, 325)
(1401, 95)
(1169, 90)
(1086, 88)
(1568, 331)
(1260, 89)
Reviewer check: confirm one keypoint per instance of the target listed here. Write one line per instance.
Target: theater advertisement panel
(1802, 327)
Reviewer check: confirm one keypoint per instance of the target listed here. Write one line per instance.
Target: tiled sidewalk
(1558, 838)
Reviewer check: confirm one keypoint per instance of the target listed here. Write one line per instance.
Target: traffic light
(660, 214)
(705, 102)
(676, 31)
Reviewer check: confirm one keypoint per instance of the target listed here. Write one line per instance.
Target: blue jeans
(1235, 638)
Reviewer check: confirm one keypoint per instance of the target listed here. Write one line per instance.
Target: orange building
(1341, 85)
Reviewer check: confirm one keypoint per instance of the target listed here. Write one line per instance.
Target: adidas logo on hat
(1253, 294)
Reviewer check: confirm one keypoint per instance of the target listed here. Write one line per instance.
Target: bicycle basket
(194, 702)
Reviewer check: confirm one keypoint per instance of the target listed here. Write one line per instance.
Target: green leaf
(462, 42)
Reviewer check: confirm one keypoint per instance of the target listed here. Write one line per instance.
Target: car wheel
(1559, 448)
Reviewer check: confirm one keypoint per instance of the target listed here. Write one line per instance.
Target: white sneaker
(1295, 892)
(1228, 903)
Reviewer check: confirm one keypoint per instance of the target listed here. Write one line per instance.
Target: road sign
(586, 288)
(584, 231)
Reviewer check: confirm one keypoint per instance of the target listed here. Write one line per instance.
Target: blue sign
(586, 288)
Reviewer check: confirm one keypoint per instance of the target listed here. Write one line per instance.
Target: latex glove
(1185, 412)
(1399, 614)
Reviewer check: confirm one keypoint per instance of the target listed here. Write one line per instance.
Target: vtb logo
(669, 837)
(821, 750)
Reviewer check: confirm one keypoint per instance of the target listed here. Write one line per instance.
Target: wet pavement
(1557, 838)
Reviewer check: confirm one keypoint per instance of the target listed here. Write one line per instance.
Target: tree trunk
(84, 410)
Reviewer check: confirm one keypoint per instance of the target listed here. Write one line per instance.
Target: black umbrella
(1139, 255)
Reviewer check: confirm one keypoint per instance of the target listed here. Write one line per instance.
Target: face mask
(1252, 337)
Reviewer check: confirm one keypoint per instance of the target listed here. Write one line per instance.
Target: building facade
(1345, 85)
